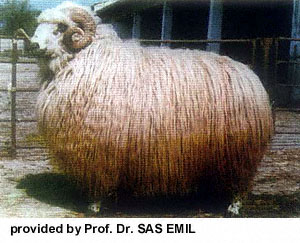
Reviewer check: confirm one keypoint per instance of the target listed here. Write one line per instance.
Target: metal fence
(293, 61)
(267, 45)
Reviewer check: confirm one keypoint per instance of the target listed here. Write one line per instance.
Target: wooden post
(276, 60)
(294, 70)
(266, 44)
(14, 59)
(215, 25)
(136, 28)
(253, 56)
(295, 45)
(167, 19)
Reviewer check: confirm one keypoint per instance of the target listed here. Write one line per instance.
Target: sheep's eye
(62, 28)
(55, 32)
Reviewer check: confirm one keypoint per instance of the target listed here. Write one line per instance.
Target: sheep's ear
(62, 27)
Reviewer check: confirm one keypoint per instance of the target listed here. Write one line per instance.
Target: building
(254, 28)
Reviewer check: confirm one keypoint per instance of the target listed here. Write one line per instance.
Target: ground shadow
(165, 207)
(54, 189)
(58, 190)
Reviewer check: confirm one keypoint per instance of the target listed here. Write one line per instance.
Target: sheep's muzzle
(35, 50)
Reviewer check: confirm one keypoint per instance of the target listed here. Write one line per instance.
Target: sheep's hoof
(94, 207)
(234, 208)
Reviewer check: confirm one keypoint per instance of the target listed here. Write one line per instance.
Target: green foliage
(15, 14)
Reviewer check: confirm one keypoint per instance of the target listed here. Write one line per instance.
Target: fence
(6, 44)
(14, 60)
(12, 90)
(295, 60)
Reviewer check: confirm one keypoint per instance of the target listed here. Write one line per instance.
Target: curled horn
(78, 37)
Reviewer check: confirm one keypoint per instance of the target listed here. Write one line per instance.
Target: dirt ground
(30, 187)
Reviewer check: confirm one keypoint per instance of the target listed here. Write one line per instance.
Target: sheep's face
(49, 37)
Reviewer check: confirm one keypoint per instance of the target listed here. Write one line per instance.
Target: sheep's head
(68, 28)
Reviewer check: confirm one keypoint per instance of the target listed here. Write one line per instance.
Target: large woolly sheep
(147, 121)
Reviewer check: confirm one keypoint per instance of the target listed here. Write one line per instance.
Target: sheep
(121, 118)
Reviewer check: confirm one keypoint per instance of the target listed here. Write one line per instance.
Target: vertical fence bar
(294, 73)
(167, 23)
(266, 44)
(276, 60)
(253, 54)
(14, 59)
(215, 24)
(136, 27)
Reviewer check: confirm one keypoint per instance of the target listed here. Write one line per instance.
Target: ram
(146, 121)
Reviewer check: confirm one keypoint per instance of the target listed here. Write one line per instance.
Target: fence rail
(21, 61)
(19, 90)
(198, 41)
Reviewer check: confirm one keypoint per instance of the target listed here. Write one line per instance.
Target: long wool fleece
(155, 121)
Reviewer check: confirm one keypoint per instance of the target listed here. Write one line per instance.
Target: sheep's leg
(94, 207)
(234, 208)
